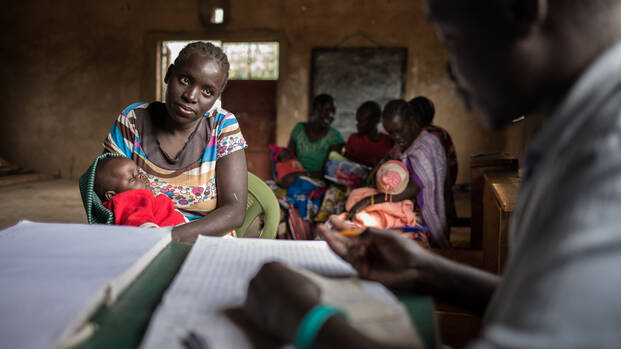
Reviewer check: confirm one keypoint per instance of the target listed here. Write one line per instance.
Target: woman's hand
(278, 298)
(379, 255)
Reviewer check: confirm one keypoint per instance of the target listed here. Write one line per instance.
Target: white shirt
(562, 284)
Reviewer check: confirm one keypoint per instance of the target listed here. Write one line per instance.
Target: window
(218, 16)
(248, 60)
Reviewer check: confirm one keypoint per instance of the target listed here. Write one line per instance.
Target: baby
(287, 168)
(125, 191)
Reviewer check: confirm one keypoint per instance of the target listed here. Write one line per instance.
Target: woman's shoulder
(220, 113)
(130, 110)
(297, 129)
(430, 138)
(354, 137)
(336, 134)
(223, 119)
(429, 142)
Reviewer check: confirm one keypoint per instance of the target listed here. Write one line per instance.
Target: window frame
(153, 76)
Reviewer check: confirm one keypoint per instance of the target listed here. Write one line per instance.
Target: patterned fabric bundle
(305, 195)
(342, 171)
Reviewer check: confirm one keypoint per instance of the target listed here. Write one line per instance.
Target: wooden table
(499, 195)
(479, 166)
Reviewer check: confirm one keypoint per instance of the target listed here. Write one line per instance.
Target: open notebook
(210, 288)
(54, 276)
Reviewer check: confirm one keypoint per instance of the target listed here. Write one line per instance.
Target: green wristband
(312, 322)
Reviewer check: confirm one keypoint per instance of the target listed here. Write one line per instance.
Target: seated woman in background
(424, 112)
(368, 145)
(423, 156)
(312, 141)
(190, 148)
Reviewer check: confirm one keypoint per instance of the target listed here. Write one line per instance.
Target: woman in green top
(312, 141)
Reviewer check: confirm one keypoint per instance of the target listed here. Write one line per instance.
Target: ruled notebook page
(211, 286)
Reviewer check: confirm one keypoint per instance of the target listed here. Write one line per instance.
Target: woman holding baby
(190, 148)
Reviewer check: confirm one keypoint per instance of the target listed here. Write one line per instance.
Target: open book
(209, 290)
(54, 276)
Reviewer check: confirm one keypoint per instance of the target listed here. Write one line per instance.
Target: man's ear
(109, 194)
(526, 15)
(168, 73)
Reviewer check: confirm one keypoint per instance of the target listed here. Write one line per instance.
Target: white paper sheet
(214, 279)
(52, 276)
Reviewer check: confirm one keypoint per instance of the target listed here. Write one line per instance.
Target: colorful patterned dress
(190, 178)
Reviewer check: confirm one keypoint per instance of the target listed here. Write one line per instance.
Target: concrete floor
(55, 200)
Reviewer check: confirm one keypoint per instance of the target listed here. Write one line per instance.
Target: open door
(254, 104)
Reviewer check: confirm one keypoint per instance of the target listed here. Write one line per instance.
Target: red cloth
(288, 167)
(361, 149)
(139, 206)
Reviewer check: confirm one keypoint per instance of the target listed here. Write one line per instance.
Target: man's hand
(379, 255)
(278, 298)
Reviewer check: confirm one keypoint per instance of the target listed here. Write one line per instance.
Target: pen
(410, 229)
(357, 231)
(351, 232)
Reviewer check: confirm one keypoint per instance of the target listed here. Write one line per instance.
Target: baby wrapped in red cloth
(287, 169)
(125, 191)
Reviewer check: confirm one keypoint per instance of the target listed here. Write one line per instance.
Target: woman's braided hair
(205, 48)
(398, 107)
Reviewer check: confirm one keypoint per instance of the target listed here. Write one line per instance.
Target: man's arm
(278, 298)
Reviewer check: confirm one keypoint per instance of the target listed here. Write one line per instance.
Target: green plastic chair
(261, 200)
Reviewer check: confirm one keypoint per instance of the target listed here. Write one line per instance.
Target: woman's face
(402, 131)
(193, 88)
(324, 114)
(366, 124)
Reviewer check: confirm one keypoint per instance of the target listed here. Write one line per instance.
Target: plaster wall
(70, 66)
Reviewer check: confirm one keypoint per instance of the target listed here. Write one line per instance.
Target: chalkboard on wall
(353, 75)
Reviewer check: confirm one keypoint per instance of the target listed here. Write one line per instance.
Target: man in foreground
(556, 59)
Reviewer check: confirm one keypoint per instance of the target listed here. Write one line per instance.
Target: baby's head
(115, 175)
(285, 155)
